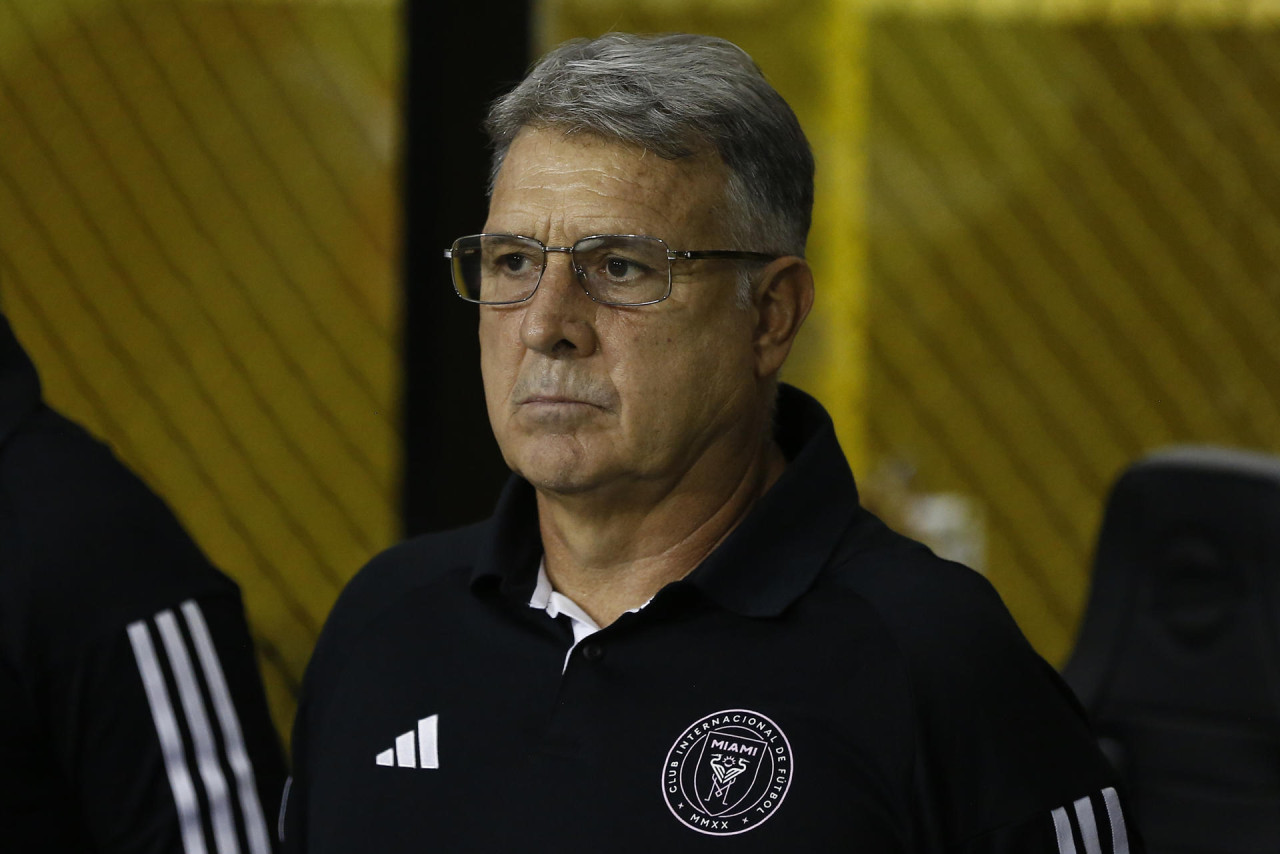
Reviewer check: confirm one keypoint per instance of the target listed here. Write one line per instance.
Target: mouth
(549, 393)
(553, 400)
(561, 409)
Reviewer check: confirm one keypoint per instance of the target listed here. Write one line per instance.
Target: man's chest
(754, 735)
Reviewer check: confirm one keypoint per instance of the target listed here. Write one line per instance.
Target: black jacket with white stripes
(817, 684)
(132, 716)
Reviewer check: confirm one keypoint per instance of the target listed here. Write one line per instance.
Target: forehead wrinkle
(588, 206)
(589, 186)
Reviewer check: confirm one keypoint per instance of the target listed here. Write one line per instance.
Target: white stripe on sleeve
(232, 737)
(175, 763)
(215, 783)
(1119, 836)
(1062, 824)
(284, 808)
(1088, 826)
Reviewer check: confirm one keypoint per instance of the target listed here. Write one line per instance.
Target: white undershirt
(547, 598)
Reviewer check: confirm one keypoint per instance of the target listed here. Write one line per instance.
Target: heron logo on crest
(728, 772)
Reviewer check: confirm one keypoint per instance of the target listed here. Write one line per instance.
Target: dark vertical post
(460, 56)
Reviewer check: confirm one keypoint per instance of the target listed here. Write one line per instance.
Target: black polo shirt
(819, 683)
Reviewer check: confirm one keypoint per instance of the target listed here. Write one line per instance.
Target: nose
(559, 319)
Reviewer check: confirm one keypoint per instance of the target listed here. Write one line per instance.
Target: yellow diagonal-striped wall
(199, 247)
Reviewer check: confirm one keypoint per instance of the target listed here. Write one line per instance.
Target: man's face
(584, 396)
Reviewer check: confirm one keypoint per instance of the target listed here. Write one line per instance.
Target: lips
(557, 412)
(556, 400)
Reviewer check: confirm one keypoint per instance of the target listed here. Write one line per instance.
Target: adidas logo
(416, 748)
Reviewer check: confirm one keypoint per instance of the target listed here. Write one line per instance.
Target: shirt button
(592, 651)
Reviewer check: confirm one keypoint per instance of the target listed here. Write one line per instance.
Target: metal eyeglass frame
(581, 275)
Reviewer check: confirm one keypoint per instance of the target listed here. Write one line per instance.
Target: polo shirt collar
(777, 551)
(764, 564)
(512, 551)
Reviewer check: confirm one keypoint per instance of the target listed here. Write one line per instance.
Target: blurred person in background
(679, 631)
(132, 715)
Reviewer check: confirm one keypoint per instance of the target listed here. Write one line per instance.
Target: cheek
(671, 376)
(499, 367)
(642, 361)
(499, 346)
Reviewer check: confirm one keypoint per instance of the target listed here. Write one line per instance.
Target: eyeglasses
(614, 269)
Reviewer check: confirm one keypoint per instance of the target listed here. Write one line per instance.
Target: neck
(611, 562)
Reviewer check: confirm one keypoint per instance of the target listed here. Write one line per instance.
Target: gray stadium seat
(1178, 656)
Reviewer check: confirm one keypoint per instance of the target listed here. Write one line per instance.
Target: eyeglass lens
(614, 269)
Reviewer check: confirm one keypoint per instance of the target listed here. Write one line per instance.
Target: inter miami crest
(728, 772)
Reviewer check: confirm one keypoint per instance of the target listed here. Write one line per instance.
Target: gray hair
(676, 95)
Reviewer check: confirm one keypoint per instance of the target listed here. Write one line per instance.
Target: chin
(564, 481)
(557, 464)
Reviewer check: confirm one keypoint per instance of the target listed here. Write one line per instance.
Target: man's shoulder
(85, 542)
(51, 467)
(946, 619)
(403, 570)
(996, 715)
(905, 580)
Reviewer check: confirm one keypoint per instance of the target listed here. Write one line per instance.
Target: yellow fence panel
(198, 245)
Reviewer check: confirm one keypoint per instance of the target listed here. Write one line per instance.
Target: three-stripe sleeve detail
(175, 760)
(1080, 821)
(215, 783)
(233, 738)
(181, 651)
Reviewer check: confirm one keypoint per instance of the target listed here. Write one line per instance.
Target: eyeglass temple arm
(706, 254)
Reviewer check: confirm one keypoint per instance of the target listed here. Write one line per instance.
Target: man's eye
(623, 269)
(513, 263)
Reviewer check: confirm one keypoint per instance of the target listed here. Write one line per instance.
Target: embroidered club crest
(728, 772)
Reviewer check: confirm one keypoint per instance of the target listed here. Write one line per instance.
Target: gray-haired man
(679, 631)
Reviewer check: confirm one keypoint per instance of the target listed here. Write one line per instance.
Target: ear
(781, 300)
